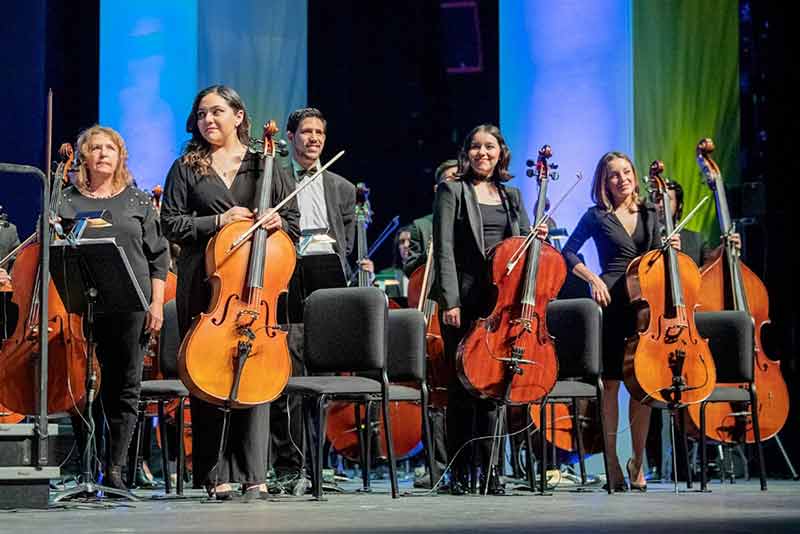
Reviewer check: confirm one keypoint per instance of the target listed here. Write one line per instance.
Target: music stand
(93, 276)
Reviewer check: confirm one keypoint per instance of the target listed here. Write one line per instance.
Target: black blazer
(459, 251)
(340, 203)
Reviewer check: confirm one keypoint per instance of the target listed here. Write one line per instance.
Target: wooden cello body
(235, 354)
(728, 284)
(440, 372)
(509, 356)
(66, 388)
(667, 363)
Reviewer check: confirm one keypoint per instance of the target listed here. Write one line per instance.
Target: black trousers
(120, 346)
(244, 458)
(467, 415)
(286, 415)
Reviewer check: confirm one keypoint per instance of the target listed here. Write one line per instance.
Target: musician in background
(422, 228)
(471, 214)
(9, 240)
(393, 280)
(623, 227)
(103, 182)
(212, 184)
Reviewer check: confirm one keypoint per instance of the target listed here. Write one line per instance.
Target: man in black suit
(327, 223)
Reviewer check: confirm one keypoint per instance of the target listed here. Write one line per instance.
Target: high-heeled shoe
(634, 486)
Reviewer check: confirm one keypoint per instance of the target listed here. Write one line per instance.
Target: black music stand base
(88, 489)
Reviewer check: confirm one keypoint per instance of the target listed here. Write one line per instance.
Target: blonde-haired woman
(103, 182)
(623, 226)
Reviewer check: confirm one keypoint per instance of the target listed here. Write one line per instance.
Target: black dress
(119, 336)
(616, 249)
(189, 209)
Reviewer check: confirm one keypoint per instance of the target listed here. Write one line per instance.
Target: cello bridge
(246, 318)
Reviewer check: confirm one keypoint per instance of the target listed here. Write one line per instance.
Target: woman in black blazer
(471, 215)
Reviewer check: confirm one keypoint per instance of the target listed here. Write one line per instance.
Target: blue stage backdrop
(566, 79)
(155, 56)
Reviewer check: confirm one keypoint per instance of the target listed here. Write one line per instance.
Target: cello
(509, 356)
(235, 355)
(439, 371)
(667, 364)
(728, 284)
(345, 423)
(66, 389)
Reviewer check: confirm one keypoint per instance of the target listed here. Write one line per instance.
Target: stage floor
(739, 507)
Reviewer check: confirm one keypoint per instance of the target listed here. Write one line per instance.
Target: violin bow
(306, 182)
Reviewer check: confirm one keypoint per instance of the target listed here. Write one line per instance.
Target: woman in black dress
(472, 214)
(213, 184)
(623, 227)
(105, 183)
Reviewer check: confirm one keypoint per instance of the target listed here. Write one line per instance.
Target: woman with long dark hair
(212, 184)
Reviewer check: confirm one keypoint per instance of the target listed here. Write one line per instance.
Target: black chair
(577, 325)
(161, 392)
(406, 365)
(731, 339)
(346, 330)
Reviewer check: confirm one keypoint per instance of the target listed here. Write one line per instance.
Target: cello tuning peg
(529, 173)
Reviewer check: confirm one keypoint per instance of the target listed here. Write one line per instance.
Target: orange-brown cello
(66, 388)
(440, 372)
(235, 354)
(667, 363)
(728, 284)
(509, 356)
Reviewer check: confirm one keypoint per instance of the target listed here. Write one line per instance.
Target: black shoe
(495, 487)
(113, 478)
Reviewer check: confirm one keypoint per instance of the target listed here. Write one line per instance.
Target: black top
(694, 245)
(460, 266)
(495, 224)
(135, 226)
(192, 201)
(615, 247)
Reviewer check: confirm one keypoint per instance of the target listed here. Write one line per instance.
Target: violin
(509, 356)
(667, 364)
(439, 371)
(236, 354)
(66, 374)
(728, 284)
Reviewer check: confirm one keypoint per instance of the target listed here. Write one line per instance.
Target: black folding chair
(406, 371)
(161, 392)
(731, 339)
(577, 325)
(346, 331)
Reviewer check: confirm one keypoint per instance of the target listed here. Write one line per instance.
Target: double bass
(66, 378)
(236, 354)
(345, 421)
(728, 284)
(667, 364)
(509, 356)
